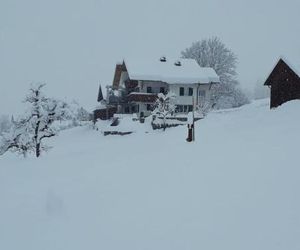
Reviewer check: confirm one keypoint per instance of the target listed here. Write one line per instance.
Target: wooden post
(193, 119)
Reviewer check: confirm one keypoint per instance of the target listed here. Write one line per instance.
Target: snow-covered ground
(237, 187)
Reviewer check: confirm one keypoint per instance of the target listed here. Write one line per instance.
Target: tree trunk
(38, 149)
(36, 140)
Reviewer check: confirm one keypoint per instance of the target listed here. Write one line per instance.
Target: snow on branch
(164, 106)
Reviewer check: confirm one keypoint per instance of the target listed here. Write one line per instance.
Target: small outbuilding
(284, 82)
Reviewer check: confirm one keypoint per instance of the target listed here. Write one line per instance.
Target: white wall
(143, 108)
(186, 99)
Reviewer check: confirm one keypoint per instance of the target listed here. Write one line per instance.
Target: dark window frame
(179, 108)
(149, 107)
(181, 91)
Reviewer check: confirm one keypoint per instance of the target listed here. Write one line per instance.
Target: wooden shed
(284, 83)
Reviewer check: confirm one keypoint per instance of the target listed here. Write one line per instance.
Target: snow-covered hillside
(237, 187)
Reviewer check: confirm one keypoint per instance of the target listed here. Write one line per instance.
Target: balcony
(142, 97)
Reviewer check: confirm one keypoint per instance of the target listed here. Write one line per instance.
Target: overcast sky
(74, 45)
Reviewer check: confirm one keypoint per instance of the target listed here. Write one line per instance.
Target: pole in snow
(193, 128)
(191, 124)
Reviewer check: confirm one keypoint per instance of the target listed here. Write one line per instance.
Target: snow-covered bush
(213, 53)
(164, 106)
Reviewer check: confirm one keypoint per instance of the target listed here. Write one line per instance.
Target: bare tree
(213, 53)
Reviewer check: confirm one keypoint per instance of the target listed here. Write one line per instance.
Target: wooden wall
(284, 83)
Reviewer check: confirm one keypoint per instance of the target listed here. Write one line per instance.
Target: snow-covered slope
(236, 187)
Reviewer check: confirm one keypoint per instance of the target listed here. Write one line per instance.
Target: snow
(126, 124)
(155, 70)
(236, 187)
(140, 93)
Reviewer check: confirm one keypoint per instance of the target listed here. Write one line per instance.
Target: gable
(282, 72)
(118, 72)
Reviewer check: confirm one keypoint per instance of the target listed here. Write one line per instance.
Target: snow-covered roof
(155, 70)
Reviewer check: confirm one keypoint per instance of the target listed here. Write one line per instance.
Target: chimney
(177, 63)
(163, 59)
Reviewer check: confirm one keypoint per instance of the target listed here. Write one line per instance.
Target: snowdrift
(235, 188)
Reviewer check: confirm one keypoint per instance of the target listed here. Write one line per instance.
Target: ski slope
(236, 187)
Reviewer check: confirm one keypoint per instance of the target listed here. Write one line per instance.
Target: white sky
(74, 45)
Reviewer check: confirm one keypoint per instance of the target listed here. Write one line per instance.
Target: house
(136, 84)
(284, 82)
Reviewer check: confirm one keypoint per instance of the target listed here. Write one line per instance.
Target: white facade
(185, 93)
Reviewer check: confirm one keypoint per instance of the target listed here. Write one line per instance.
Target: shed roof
(293, 64)
(155, 70)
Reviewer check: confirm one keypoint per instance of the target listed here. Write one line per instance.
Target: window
(135, 109)
(149, 90)
(149, 107)
(181, 91)
(179, 108)
(190, 108)
(202, 93)
(162, 90)
(190, 91)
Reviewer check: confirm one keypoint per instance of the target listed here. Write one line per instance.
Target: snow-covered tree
(74, 115)
(17, 139)
(30, 131)
(213, 53)
(164, 106)
(5, 123)
(78, 113)
(260, 91)
(228, 95)
(203, 107)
